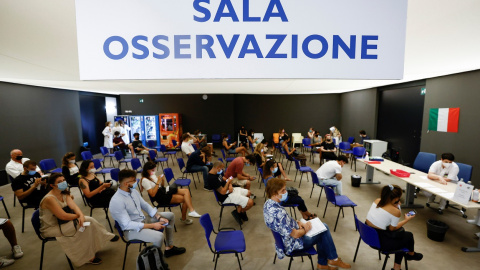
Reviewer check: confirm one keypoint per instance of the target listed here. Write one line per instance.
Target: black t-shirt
(137, 144)
(328, 146)
(25, 182)
(195, 159)
(215, 182)
(258, 159)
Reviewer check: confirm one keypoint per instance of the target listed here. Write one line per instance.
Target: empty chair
(182, 182)
(306, 144)
(302, 170)
(114, 174)
(86, 155)
(166, 153)
(338, 200)
(100, 170)
(136, 165)
(357, 153)
(49, 166)
(183, 170)
(153, 157)
(226, 242)
(216, 138)
(121, 159)
(350, 139)
(423, 161)
(106, 154)
(227, 160)
(344, 148)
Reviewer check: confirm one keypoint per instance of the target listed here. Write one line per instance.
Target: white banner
(202, 39)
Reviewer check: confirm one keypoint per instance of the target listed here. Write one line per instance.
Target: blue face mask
(275, 170)
(284, 197)
(62, 185)
(248, 164)
(220, 172)
(134, 185)
(32, 172)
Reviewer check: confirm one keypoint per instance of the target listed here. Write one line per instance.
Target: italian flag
(444, 119)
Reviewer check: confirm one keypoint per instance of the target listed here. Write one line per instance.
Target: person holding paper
(294, 232)
(442, 171)
(384, 217)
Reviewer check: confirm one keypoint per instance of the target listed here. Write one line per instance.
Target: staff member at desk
(443, 171)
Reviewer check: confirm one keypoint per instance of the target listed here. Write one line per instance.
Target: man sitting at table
(442, 171)
(363, 137)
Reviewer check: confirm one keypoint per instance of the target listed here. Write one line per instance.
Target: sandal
(95, 261)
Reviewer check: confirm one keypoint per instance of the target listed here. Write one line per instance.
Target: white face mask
(110, 125)
(446, 165)
(72, 161)
(92, 171)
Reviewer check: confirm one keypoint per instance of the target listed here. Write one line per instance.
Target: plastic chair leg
(311, 261)
(301, 176)
(238, 259)
(338, 215)
(325, 211)
(41, 255)
(5, 206)
(23, 220)
(216, 260)
(290, 263)
(356, 250)
(108, 219)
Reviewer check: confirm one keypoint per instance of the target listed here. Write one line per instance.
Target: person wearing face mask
(327, 149)
(330, 173)
(80, 245)
(226, 193)
(235, 170)
(108, 135)
(292, 151)
(363, 136)
(137, 147)
(231, 149)
(197, 162)
(187, 142)
(316, 139)
(442, 171)
(157, 191)
(294, 232)
(118, 143)
(29, 186)
(70, 169)
(262, 160)
(15, 166)
(126, 208)
(311, 132)
(96, 192)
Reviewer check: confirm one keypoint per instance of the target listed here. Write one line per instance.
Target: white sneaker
(194, 214)
(5, 262)
(17, 252)
(187, 221)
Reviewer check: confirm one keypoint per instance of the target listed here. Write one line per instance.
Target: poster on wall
(204, 39)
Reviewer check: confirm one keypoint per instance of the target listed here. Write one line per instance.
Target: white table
(417, 179)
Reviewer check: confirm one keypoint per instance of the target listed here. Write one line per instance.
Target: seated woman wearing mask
(70, 169)
(81, 245)
(292, 151)
(261, 160)
(96, 192)
(230, 148)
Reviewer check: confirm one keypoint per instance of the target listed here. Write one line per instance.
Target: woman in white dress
(108, 135)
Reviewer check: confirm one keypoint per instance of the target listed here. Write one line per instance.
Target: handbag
(173, 189)
(292, 192)
(67, 210)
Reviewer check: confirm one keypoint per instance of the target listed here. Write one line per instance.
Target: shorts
(240, 183)
(142, 152)
(238, 197)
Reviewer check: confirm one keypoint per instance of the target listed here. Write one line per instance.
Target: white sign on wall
(201, 39)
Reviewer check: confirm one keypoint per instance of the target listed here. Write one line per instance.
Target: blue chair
(370, 236)
(465, 173)
(227, 160)
(121, 159)
(222, 205)
(290, 159)
(153, 157)
(316, 182)
(229, 139)
(423, 161)
(105, 209)
(344, 148)
(114, 174)
(106, 154)
(226, 242)
(216, 138)
(358, 152)
(86, 155)
(25, 207)
(136, 165)
(340, 201)
(350, 139)
(167, 154)
(4, 206)
(195, 147)
(296, 253)
(260, 170)
(49, 166)
(100, 170)
(302, 170)
(306, 144)
(128, 243)
(36, 226)
(183, 182)
(183, 170)
(153, 144)
(169, 206)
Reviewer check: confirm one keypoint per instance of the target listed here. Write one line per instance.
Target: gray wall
(42, 122)
(463, 91)
(358, 111)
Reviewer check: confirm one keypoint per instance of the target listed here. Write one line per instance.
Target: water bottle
(366, 156)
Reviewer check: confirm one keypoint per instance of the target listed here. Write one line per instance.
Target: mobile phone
(165, 224)
(412, 213)
(86, 223)
(81, 229)
(45, 176)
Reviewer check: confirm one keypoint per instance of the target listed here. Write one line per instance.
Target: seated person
(316, 139)
(201, 140)
(261, 160)
(442, 171)
(15, 166)
(335, 133)
(294, 232)
(363, 137)
(187, 141)
(327, 149)
(230, 148)
(292, 151)
(235, 170)
(30, 186)
(95, 190)
(137, 146)
(226, 193)
(384, 217)
(126, 208)
(269, 171)
(311, 133)
(197, 162)
(330, 173)
(70, 169)
(9, 231)
(251, 138)
(242, 135)
(118, 143)
(80, 247)
(157, 190)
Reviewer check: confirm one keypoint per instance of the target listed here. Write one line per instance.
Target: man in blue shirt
(363, 137)
(126, 208)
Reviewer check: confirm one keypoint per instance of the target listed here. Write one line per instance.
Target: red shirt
(235, 168)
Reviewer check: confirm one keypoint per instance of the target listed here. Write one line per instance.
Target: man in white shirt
(442, 171)
(187, 141)
(15, 166)
(330, 173)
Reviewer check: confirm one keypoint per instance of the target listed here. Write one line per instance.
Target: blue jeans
(325, 247)
(204, 170)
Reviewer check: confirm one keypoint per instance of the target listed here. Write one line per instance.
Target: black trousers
(390, 241)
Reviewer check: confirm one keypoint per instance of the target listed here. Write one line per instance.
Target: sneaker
(243, 216)
(95, 261)
(194, 214)
(252, 196)
(415, 257)
(17, 252)
(115, 238)
(174, 251)
(339, 263)
(237, 217)
(186, 221)
(207, 189)
(5, 262)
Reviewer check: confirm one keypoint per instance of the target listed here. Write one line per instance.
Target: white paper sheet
(448, 195)
(436, 190)
(424, 185)
(424, 177)
(317, 227)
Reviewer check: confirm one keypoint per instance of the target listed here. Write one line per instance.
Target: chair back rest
(168, 174)
(104, 150)
(151, 144)
(315, 180)
(152, 155)
(350, 139)
(297, 164)
(119, 229)
(174, 143)
(223, 153)
(86, 155)
(306, 141)
(207, 225)
(330, 194)
(368, 234)
(465, 172)
(135, 163)
(423, 161)
(359, 151)
(221, 160)
(36, 223)
(47, 165)
(97, 163)
(195, 147)
(229, 139)
(181, 163)
(114, 174)
(276, 137)
(216, 137)
(163, 148)
(344, 146)
(260, 170)
(118, 155)
(278, 240)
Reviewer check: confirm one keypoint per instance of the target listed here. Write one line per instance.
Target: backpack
(151, 258)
